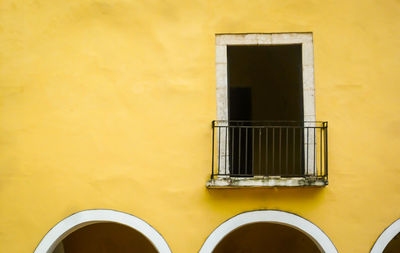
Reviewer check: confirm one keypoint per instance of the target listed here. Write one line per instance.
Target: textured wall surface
(108, 104)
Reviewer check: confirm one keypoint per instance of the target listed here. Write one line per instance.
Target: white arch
(87, 217)
(387, 235)
(272, 216)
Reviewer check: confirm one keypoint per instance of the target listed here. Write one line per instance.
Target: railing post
(213, 154)
(326, 148)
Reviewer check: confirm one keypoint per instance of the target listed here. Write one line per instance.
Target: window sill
(244, 182)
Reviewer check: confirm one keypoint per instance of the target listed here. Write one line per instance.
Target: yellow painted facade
(108, 104)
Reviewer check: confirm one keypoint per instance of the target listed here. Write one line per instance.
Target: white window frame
(306, 41)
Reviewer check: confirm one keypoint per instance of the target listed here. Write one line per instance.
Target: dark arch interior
(105, 237)
(394, 245)
(266, 237)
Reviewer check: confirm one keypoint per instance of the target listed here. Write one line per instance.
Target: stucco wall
(108, 104)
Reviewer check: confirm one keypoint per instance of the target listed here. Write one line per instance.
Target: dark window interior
(265, 84)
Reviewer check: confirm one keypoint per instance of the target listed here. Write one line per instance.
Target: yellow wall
(108, 104)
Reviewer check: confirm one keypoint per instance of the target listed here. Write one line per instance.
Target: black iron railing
(261, 148)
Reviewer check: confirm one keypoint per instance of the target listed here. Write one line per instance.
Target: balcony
(269, 154)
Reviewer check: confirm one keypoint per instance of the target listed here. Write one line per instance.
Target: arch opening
(267, 230)
(394, 245)
(105, 237)
(257, 237)
(107, 229)
(389, 240)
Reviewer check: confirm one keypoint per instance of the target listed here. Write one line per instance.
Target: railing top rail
(266, 123)
(270, 121)
(246, 126)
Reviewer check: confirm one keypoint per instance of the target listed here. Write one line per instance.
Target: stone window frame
(222, 41)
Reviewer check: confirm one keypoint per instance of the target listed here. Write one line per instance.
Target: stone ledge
(249, 182)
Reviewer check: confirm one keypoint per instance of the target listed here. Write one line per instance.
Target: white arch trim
(272, 216)
(87, 217)
(388, 234)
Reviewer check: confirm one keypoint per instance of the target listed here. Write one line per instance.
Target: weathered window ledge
(248, 182)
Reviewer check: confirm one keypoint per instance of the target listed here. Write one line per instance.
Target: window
(265, 127)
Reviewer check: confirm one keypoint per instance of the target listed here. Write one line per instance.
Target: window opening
(265, 84)
(265, 123)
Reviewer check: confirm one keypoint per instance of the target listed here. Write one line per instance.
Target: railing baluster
(259, 150)
(219, 150)
(301, 143)
(266, 151)
(226, 148)
(326, 148)
(273, 151)
(240, 141)
(246, 151)
(232, 167)
(307, 144)
(294, 150)
(213, 154)
(280, 150)
(287, 150)
(252, 151)
(314, 150)
(320, 152)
